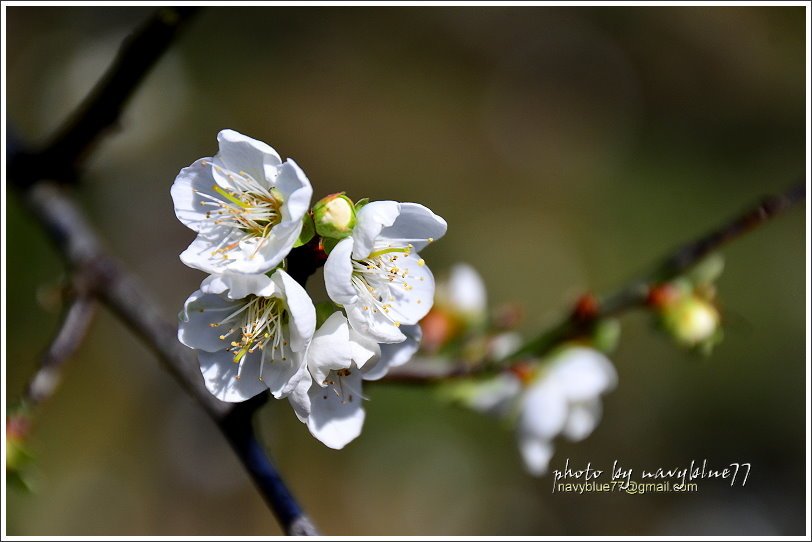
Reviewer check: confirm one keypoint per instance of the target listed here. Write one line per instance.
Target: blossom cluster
(255, 328)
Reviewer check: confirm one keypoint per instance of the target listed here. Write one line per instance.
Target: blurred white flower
(377, 275)
(559, 397)
(563, 399)
(245, 204)
(339, 359)
(251, 333)
(463, 294)
(460, 304)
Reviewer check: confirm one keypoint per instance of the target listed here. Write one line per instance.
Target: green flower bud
(334, 216)
(691, 320)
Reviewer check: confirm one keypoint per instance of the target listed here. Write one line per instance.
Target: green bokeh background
(566, 147)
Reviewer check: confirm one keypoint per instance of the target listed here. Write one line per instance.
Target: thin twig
(631, 295)
(72, 330)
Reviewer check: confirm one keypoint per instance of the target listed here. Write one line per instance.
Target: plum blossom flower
(245, 204)
(564, 399)
(561, 397)
(251, 333)
(339, 360)
(377, 275)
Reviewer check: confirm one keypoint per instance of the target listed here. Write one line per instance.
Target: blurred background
(566, 147)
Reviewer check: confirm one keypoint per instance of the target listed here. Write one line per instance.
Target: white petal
(373, 325)
(536, 453)
(504, 344)
(186, 189)
(543, 410)
(201, 252)
(414, 296)
(238, 286)
(330, 348)
(371, 219)
(582, 373)
(240, 153)
(296, 191)
(199, 313)
(261, 254)
(365, 351)
(415, 225)
(393, 355)
(496, 395)
(220, 374)
(302, 313)
(336, 420)
(300, 399)
(583, 418)
(283, 374)
(466, 290)
(338, 274)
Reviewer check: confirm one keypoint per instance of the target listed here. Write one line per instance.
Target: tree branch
(73, 328)
(61, 158)
(38, 176)
(634, 294)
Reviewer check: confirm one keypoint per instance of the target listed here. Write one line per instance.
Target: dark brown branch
(38, 176)
(60, 159)
(72, 330)
(632, 295)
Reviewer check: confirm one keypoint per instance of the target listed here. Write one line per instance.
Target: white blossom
(563, 400)
(377, 274)
(245, 204)
(251, 333)
(463, 294)
(339, 360)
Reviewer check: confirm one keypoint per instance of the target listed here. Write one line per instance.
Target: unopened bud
(691, 320)
(334, 216)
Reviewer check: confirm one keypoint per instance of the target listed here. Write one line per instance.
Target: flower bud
(334, 216)
(691, 320)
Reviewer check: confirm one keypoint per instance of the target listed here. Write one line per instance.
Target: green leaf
(707, 270)
(329, 243)
(606, 335)
(324, 310)
(308, 231)
(360, 203)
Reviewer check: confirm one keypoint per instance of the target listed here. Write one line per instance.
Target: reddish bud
(661, 295)
(438, 328)
(586, 308)
(17, 427)
(523, 370)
